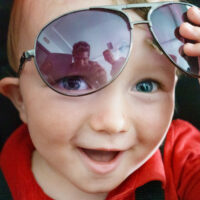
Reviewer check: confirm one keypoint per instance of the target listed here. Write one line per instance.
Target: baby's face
(94, 142)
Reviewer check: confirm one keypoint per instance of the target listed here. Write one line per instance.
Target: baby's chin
(100, 189)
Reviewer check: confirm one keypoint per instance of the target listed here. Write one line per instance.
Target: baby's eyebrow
(152, 43)
(150, 40)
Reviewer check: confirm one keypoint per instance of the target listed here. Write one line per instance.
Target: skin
(112, 118)
(192, 32)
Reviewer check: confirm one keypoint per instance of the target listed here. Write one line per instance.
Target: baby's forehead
(43, 11)
(36, 14)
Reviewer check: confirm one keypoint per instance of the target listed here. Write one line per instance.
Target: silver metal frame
(117, 9)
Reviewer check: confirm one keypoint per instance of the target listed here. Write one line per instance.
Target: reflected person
(82, 66)
(116, 63)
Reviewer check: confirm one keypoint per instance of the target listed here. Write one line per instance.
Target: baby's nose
(110, 118)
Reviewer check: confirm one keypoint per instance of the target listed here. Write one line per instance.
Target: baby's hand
(192, 32)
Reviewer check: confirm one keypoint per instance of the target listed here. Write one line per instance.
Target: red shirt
(179, 171)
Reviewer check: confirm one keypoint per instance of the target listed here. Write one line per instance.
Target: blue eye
(72, 83)
(147, 86)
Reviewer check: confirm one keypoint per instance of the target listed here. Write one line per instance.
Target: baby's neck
(55, 185)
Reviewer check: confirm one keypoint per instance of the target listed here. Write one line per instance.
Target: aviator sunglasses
(83, 51)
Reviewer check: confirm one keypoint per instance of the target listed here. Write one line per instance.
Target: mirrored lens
(166, 21)
(83, 51)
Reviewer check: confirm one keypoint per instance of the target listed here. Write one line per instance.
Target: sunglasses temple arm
(25, 57)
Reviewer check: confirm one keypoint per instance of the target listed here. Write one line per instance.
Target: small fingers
(193, 15)
(190, 32)
(192, 49)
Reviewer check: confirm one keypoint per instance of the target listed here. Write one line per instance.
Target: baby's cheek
(157, 121)
(58, 121)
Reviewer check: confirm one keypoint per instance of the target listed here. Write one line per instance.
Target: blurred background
(187, 90)
(9, 119)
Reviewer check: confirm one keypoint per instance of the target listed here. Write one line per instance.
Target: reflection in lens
(81, 53)
(166, 21)
(72, 83)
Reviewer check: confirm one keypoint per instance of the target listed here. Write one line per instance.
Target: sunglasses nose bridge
(132, 23)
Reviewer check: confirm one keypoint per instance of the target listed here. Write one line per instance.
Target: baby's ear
(9, 87)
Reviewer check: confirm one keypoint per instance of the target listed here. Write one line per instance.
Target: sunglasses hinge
(25, 57)
(29, 54)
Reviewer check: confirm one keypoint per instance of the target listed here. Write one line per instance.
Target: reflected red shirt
(179, 170)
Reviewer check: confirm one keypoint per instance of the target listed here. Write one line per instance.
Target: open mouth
(101, 155)
(101, 161)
